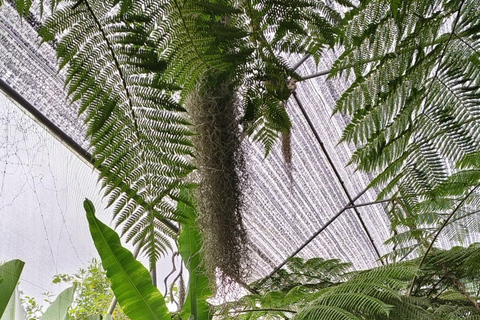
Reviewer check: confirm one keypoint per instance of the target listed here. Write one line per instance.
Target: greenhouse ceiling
(284, 209)
(347, 145)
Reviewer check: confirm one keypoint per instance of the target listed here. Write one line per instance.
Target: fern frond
(413, 103)
(277, 28)
(410, 95)
(196, 36)
(138, 135)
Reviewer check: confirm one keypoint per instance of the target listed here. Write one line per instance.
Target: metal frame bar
(313, 236)
(60, 135)
(337, 174)
(315, 75)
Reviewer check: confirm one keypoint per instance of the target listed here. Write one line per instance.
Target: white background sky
(42, 189)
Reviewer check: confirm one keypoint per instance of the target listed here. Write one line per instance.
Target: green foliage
(131, 282)
(14, 310)
(93, 294)
(32, 308)
(277, 28)
(196, 36)
(127, 62)
(450, 209)
(195, 306)
(324, 289)
(412, 102)
(138, 132)
(454, 270)
(58, 310)
(9, 275)
(447, 288)
(124, 66)
(287, 291)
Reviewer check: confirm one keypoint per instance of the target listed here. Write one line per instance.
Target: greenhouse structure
(270, 159)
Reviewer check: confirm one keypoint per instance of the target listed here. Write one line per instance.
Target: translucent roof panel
(43, 185)
(287, 207)
(31, 70)
(286, 204)
(282, 213)
(42, 189)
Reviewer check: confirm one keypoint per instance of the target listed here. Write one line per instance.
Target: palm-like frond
(448, 210)
(413, 98)
(413, 105)
(373, 294)
(451, 271)
(138, 134)
(198, 36)
(277, 28)
(289, 290)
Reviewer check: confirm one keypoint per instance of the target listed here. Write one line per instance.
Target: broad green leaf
(131, 281)
(58, 310)
(10, 273)
(14, 310)
(107, 317)
(189, 245)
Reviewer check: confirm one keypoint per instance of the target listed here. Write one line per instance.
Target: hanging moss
(221, 176)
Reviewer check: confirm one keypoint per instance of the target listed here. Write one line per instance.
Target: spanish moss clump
(287, 136)
(287, 152)
(221, 175)
(287, 147)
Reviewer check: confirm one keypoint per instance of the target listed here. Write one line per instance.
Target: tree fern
(413, 107)
(371, 294)
(413, 99)
(128, 62)
(138, 134)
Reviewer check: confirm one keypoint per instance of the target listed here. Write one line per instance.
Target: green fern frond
(413, 105)
(405, 84)
(420, 215)
(138, 135)
(275, 29)
(372, 294)
(196, 36)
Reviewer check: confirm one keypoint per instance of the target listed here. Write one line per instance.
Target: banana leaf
(131, 281)
(196, 306)
(58, 310)
(9, 275)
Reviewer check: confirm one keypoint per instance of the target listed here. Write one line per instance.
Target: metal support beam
(315, 75)
(370, 203)
(61, 136)
(337, 174)
(299, 63)
(313, 236)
